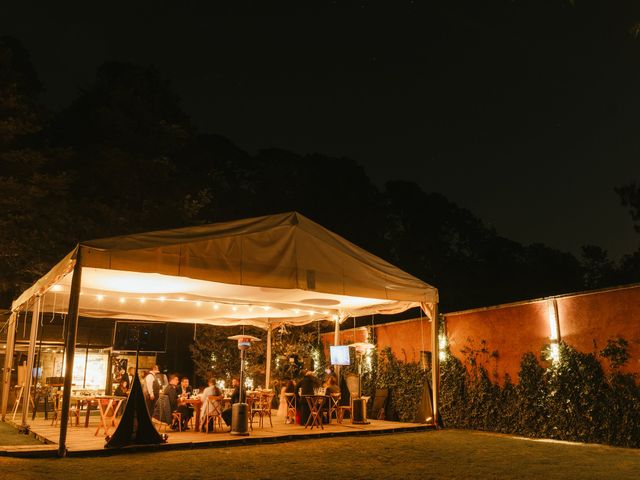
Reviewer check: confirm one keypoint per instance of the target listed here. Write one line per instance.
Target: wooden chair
(213, 412)
(261, 406)
(108, 408)
(345, 408)
(176, 417)
(74, 412)
(291, 407)
(266, 406)
(334, 405)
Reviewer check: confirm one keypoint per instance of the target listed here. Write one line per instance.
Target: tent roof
(274, 269)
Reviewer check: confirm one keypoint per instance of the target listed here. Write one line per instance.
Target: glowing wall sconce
(554, 330)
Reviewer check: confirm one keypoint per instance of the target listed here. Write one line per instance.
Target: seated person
(305, 386)
(235, 398)
(184, 389)
(171, 391)
(122, 390)
(331, 385)
(211, 389)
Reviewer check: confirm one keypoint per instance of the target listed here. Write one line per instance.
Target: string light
(214, 305)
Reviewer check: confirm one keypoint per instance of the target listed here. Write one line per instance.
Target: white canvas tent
(262, 271)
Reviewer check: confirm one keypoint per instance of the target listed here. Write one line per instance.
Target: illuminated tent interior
(264, 271)
(260, 271)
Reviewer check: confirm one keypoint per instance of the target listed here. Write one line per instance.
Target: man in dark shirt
(172, 393)
(235, 398)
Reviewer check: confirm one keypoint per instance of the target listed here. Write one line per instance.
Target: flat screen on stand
(340, 355)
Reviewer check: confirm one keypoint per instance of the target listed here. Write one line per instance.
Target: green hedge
(404, 380)
(571, 399)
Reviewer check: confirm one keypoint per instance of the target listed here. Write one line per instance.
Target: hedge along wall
(586, 322)
(508, 331)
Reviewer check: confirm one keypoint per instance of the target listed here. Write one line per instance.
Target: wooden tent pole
(336, 341)
(435, 361)
(8, 362)
(28, 379)
(70, 348)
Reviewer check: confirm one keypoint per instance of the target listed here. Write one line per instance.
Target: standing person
(162, 378)
(154, 387)
(129, 377)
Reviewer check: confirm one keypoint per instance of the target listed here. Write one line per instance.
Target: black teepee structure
(136, 427)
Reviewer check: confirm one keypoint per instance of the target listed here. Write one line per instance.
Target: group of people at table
(167, 395)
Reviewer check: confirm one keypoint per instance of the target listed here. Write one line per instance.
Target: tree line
(124, 157)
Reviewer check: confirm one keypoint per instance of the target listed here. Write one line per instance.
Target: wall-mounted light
(442, 347)
(554, 330)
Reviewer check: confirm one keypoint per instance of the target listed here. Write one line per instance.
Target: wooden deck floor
(82, 441)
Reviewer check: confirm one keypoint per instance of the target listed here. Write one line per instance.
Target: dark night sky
(527, 113)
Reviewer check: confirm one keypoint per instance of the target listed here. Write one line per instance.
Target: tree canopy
(124, 158)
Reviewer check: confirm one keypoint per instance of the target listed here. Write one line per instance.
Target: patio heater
(359, 411)
(240, 410)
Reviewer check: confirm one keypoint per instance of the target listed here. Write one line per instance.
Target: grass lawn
(9, 436)
(446, 454)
